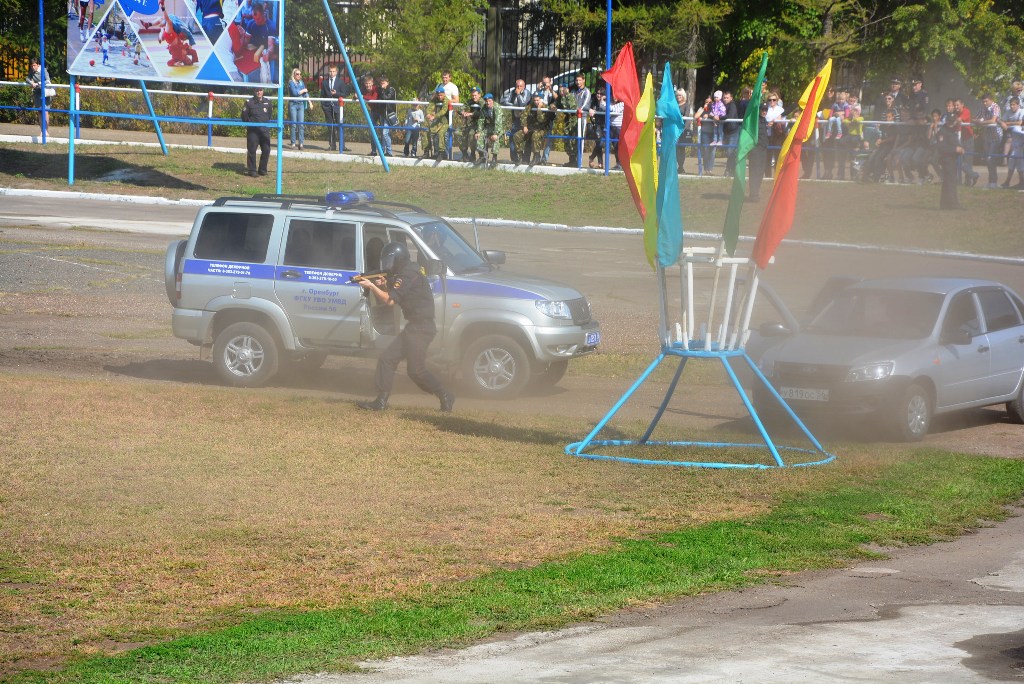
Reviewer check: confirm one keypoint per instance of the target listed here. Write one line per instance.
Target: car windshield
(450, 247)
(892, 314)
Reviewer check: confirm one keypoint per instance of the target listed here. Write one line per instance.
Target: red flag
(778, 216)
(626, 87)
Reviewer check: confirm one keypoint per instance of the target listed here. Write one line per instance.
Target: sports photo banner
(215, 42)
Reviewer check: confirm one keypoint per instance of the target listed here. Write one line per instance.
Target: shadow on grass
(88, 167)
(471, 427)
(230, 167)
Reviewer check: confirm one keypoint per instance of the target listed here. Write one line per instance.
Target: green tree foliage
(414, 41)
(982, 42)
(19, 36)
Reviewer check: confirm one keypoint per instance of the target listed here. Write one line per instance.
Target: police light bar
(347, 198)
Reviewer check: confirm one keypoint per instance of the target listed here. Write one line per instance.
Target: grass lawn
(179, 532)
(222, 535)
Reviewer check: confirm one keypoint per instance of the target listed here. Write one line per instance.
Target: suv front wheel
(496, 366)
(245, 354)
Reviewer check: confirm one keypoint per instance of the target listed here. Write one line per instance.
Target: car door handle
(983, 349)
(290, 274)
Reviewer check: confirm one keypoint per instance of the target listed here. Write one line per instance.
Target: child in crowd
(413, 124)
(840, 110)
(717, 113)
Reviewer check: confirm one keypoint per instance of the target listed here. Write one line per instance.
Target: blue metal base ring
(572, 451)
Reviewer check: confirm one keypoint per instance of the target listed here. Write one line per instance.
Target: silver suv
(266, 281)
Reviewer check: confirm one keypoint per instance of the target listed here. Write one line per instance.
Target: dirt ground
(92, 303)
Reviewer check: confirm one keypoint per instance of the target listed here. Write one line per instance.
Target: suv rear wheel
(245, 354)
(496, 366)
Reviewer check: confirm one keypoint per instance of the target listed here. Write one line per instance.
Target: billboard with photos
(215, 42)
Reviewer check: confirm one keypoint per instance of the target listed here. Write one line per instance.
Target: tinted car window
(999, 311)
(962, 316)
(321, 244)
(234, 237)
(894, 314)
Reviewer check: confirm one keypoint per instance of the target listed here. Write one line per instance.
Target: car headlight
(870, 371)
(554, 309)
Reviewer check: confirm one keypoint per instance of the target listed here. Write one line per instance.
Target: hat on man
(896, 81)
(474, 89)
(439, 89)
(489, 96)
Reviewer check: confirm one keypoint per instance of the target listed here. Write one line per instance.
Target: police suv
(267, 282)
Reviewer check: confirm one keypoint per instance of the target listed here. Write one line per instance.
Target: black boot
(378, 404)
(447, 401)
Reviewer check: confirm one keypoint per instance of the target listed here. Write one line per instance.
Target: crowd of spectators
(896, 141)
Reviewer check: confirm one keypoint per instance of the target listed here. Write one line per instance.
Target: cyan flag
(670, 215)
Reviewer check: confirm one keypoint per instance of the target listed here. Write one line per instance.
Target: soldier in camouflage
(490, 127)
(536, 121)
(436, 115)
(469, 116)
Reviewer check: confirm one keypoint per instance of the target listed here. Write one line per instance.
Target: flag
(807, 101)
(778, 216)
(643, 163)
(670, 218)
(625, 87)
(747, 142)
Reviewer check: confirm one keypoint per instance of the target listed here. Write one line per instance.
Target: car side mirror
(957, 336)
(494, 256)
(434, 267)
(774, 329)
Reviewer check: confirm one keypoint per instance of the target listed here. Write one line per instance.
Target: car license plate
(804, 394)
(593, 338)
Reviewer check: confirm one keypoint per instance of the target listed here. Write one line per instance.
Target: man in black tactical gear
(257, 110)
(405, 285)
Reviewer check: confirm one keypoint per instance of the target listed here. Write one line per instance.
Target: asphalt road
(945, 613)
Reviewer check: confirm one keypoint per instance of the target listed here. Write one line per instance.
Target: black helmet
(394, 257)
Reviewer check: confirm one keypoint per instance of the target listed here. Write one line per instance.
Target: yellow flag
(644, 165)
(812, 107)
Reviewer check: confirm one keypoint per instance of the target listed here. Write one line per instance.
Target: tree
(19, 36)
(415, 40)
(676, 31)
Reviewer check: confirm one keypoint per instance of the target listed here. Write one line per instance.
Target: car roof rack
(287, 201)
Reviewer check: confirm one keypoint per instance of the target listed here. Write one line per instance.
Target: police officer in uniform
(406, 285)
(257, 110)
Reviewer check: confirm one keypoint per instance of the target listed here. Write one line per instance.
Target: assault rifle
(369, 275)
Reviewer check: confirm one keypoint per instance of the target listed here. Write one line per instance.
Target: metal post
(152, 115)
(280, 99)
(209, 115)
(355, 85)
(43, 75)
(608, 89)
(77, 95)
(72, 128)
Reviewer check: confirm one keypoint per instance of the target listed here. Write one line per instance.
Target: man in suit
(331, 88)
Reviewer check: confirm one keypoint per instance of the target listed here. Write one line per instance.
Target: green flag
(748, 139)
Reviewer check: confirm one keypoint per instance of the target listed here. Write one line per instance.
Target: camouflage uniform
(437, 128)
(566, 122)
(492, 121)
(468, 118)
(537, 119)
